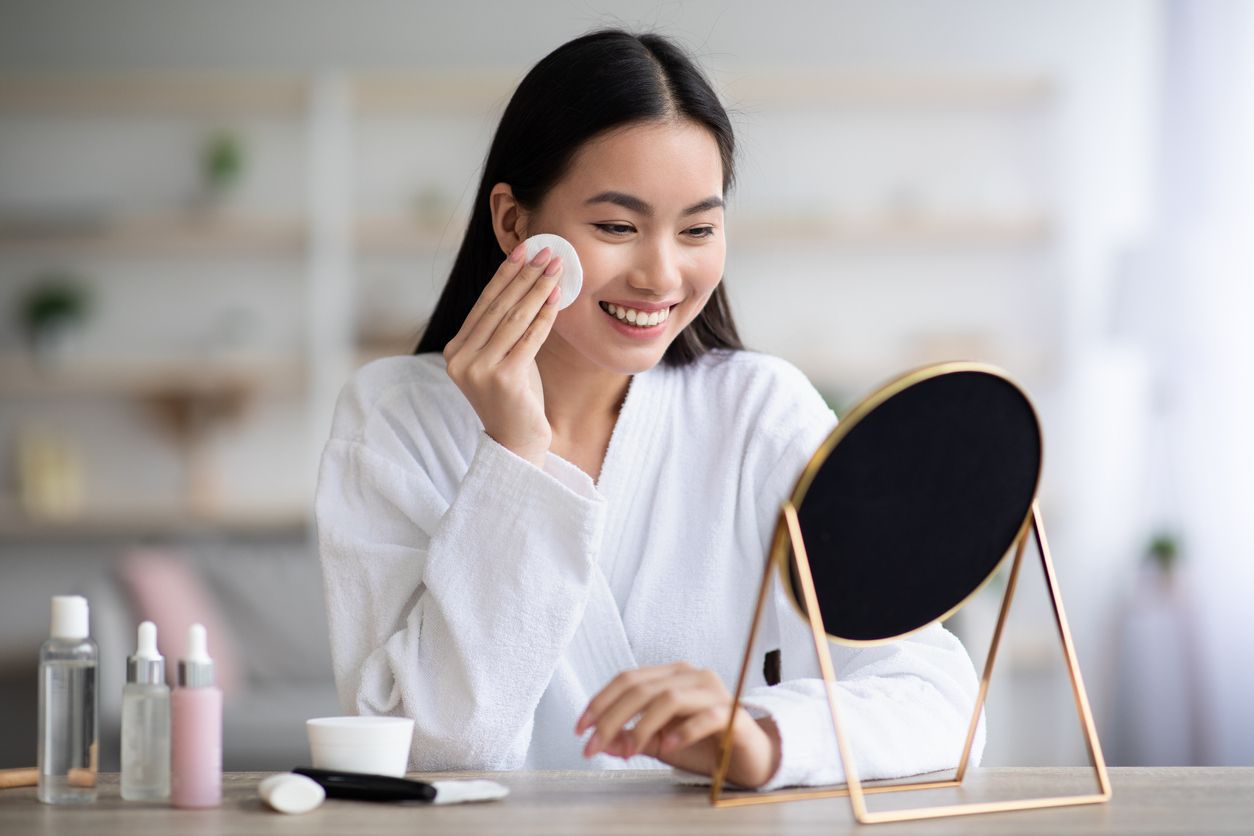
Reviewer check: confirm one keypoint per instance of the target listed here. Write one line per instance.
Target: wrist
(531, 452)
(536, 457)
(756, 755)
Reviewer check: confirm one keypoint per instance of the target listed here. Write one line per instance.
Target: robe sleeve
(454, 613)
(904, 709)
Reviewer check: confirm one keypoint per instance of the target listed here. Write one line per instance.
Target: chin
(617, 358)
(631, 362)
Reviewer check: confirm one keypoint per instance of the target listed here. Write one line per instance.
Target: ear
(509, 218)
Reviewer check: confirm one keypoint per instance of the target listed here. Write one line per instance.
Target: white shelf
(399, 236)
(182, 235)
(411, 93)
(149, 520)
(162, 377)
(890, 231)
(191, 94)
(829, 88)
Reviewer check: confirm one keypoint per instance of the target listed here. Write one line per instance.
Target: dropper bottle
(196, 729)
(146, 722)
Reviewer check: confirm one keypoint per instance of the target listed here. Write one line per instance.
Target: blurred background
(211, 213)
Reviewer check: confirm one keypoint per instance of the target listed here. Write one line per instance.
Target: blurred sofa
(266, 595)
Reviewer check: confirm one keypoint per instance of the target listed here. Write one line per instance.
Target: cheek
(694, 305)
(705, 269)
(600, 265)
(578, 322)
(705, 273)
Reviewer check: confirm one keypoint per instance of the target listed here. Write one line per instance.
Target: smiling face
(642, 206)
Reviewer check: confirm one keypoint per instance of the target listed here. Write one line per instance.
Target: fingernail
(591, 748)
(554, 266)
(670, 742)
(583, 718)
(540, 257)
(517, 254)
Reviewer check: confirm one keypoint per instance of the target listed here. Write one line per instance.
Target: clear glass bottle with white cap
(68, 707)
(146, 722)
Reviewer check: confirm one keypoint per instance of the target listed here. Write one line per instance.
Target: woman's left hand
(683, 712)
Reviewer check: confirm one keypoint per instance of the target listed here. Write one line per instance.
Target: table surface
(1186, 800)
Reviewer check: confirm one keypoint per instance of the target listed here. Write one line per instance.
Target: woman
(542, 535)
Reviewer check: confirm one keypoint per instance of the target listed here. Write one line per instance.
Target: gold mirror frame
(780, 551)
(789, 541)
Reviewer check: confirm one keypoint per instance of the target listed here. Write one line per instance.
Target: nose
(658, 269)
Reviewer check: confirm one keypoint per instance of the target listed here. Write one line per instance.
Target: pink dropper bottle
(196, 729)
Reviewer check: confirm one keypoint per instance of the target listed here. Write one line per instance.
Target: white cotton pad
(288, 792)
(571, 281)
(457, 792)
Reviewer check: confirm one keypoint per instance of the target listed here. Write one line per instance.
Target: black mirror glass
(914, 500)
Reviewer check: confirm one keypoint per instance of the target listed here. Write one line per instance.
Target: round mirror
(912, 502)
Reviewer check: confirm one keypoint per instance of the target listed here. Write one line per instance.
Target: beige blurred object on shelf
(49, 474)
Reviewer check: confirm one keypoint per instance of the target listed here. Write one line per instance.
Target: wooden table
(1146, 801)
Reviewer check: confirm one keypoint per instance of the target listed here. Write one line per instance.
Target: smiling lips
(638, 318)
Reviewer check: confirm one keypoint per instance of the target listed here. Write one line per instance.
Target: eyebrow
(637, 205)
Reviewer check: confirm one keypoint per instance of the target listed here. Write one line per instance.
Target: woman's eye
(614, 229)
(624, 229)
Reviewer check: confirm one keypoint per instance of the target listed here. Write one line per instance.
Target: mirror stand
(788, 539)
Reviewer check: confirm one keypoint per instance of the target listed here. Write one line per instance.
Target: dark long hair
(599, 81)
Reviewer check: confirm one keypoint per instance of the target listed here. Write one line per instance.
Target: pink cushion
(166, 590)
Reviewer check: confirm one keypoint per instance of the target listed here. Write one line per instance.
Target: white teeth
(638, 318)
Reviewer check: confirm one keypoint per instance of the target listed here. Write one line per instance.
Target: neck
(578, 396)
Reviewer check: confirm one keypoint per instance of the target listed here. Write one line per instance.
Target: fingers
(657, 700)
(674, 701)
(507, 300)
(528, 345)
(696, 727)
(627, 679)
(522, 322)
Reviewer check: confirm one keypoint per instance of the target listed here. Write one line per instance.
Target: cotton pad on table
(571, 281)
(289, 793)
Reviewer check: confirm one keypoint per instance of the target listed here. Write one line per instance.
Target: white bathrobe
(490, 600)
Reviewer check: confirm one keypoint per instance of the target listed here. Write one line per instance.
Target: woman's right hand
(492, 359)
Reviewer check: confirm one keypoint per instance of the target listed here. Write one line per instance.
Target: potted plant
(222, 162)
(1164, 552)
(53, 312)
